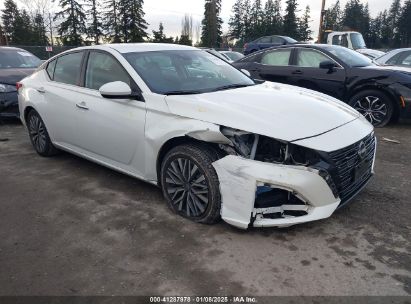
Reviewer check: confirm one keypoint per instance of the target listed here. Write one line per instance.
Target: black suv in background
(15, 64)
(381, 93)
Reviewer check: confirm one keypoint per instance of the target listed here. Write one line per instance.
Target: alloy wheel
(37, 133)
(187, 187)
(372, 108)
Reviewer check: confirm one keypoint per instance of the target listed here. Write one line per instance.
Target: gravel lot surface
(71, 227)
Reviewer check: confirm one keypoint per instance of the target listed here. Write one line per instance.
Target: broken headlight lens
(267, 149)
(7, 88)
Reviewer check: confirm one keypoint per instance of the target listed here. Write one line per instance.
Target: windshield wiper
(182, 92)
(232, 86)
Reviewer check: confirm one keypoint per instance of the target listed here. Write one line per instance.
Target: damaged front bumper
(302, 194)
(9, 105)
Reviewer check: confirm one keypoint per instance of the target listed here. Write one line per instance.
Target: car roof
(146, 47)
(10, 48)
(314, 46)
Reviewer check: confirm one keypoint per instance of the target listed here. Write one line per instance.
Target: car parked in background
(370, 53)
(217, 142)
(231, 55)
(352, 40)
(267, 42)
(381, 94)
(398, 57)
(15, 64)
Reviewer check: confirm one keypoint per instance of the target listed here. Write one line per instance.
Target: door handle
(82, 105)
(41, 90)
(297, 72)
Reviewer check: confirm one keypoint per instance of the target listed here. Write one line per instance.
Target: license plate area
(362, 169)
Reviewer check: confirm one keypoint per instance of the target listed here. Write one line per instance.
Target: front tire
(374, 105)
(39, 136)
(190, 183)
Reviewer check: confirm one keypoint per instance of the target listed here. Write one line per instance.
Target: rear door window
(68, 68)
(265, 40)
(279, 57)
(277, 40)
(310, 58)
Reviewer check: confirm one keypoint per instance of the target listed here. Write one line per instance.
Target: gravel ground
(71, 227)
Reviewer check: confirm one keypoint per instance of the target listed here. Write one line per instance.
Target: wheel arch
(382, 89)
(27, 110)
(178, 141)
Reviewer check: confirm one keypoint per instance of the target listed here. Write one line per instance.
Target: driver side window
(310, 58)
(103, 68)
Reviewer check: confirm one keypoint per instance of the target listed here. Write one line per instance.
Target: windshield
(185, 72)
(349, 57)
(10, 59)
(357, 41)
(234, 55)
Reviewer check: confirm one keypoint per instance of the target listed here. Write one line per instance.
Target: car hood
(393, 68)
(271, 109)
(11, 76)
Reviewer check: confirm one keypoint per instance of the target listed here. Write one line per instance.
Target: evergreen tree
(385, 36)
(248, 31)
(185, 40)
(236, 25)
(272, 22)
(212, 24)
(404, 25)
(39, 31)
(304, 31)
(355, 16)
(290, 25)
(332, 18)
(9, 13)
(393, 15)
(73, 26)
(111, 19)
(94, 29)
(256, 19)
(158, 36)
(22, 29)
(133, 25)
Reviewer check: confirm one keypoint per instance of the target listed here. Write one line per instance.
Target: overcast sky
(170, 12)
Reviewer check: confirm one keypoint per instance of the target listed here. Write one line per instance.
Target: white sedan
(217, 143)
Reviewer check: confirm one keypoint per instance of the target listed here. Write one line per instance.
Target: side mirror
(246, 72)
(327, 65)
(115, 90)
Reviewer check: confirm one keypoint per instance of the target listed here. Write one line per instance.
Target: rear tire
(374, 105)
(190, 183)
(39, 136)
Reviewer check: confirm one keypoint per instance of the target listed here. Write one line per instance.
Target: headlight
(7, 88)
(267, 149)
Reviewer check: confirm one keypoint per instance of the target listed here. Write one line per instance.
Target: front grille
(347, 161)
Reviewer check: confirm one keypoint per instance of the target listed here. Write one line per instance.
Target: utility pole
(320, 32)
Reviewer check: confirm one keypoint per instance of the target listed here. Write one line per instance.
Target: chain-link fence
(42, 52)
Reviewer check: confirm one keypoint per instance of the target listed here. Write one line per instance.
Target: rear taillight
(245, 46)
(19, 85)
